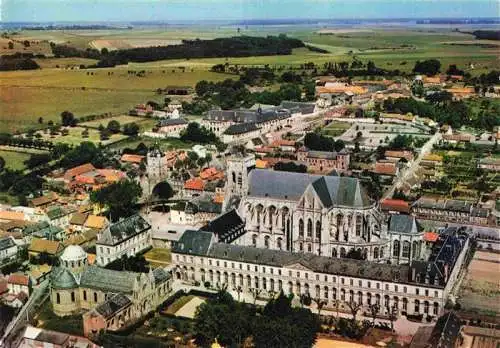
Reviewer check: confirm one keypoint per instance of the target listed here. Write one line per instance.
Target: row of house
(445, 210)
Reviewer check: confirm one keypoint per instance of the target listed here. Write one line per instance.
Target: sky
(146, 10)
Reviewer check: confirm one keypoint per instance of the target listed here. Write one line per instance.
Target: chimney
(446, 272)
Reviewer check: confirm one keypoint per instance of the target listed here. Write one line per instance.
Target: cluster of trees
(230, 94)
(232, 323)
(198, 134)
(290, 167)
(134, 263)
(18, 61)
(356, 68)
(193, 161)
(318, 142)
(227, 94)
(120, 198)
(442, 110)
(429, 67)
(68, 51)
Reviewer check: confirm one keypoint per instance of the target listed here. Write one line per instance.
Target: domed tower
(65, 280)
(74, 259)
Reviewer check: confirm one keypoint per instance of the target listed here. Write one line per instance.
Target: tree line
(242, 46)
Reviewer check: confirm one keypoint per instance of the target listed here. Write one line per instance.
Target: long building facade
(421, 287)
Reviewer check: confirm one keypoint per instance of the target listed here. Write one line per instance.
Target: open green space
(27, 95)
(178, 304)
(158, 255)
(335, 129)
(75, 137)
(14, 160)
(122, 119)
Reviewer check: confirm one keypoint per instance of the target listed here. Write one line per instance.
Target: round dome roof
(62, 278)
(73, 253)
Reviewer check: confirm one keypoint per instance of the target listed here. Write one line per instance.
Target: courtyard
(480, 291)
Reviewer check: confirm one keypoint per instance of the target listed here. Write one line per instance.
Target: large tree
(68, 119)
(120, 198)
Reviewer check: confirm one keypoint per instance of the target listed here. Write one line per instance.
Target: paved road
(414, 166)
(38, 296)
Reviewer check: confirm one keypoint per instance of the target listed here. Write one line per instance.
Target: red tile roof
(208, 173)
(399, 154)
(385, 168)
(431, 236)
(131, 158)
(19, 279)
(194, 184)
(398, 205)
(84, 168)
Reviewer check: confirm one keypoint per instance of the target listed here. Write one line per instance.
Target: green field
(335, 129)
(14, 160)
(75, 137)
(27, 95)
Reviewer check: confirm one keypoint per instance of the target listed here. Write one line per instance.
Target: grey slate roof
(279, 258)
(193, 242)
(248, 116)
(444, 253)
(304, 108)
(124, 229)
(62, 278)
(332, 190)
(404, 224)
(6, 243)
(114, 304)
(450, 204)
(204, 204)
(227, 227)
(446, 331)
(107, 280)
(172, 122)
(160, 275)
(240, 128)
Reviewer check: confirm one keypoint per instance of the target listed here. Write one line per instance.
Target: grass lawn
(158, 255)
(123, 119)
(14, 160)
(178, 304)
(335, 129)
(75, 137)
